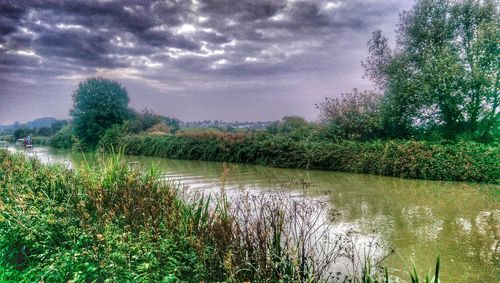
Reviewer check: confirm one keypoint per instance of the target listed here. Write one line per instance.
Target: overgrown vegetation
(354, 116)
(38, 132)
(39, 135)
(120, 225)
(147, 120)
(466, 161)
(63, 138)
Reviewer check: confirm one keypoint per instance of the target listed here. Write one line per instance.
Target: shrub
(464, 161)
(111, 138)
(353, 116)
(146, 119)
(63, 138)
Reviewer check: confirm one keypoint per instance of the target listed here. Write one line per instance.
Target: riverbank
(415, 217)
(465, 161)
(86, 225)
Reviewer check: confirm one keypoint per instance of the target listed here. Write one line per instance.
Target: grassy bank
(465, 161)
(119, 225)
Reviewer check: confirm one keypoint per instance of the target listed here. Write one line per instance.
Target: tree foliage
(353, 116)
(50, 131)
(147, 119)
(63, 138)
(98, 104)
(443, 72)
(111, 138)
(294, 126)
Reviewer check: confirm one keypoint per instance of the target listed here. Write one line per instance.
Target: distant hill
(37, 123)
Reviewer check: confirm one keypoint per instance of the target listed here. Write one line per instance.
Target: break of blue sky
(193, 60)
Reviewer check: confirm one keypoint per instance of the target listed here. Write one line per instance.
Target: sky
(231, 60)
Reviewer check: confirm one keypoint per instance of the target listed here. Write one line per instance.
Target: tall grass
(109, 223)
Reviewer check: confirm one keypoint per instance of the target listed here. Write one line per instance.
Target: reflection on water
(426, 226)
(420, 219)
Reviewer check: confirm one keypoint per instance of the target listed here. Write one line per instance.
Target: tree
(63, 138)
(21, 133)
(44, 132)
(111, 138)
(353, 116)
(146, 119)
(49, 131)
(98, 104)
(443, 72)
(293, 123)
(289, 124)
(172, 123)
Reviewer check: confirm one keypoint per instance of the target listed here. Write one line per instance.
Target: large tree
(443, 72)
(98, 104)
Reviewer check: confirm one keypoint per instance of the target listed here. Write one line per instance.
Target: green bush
(37, 140)
(146, 119)
(63, 138)
(58, 226)
(463, 161)
(7, 138)
(111, 138)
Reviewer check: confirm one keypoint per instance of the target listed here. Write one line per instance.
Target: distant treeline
(44, 122)
(43, 127)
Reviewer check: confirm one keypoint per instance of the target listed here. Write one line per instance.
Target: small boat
(26, 142)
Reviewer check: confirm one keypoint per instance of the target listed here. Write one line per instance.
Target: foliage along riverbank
(125, 226)
(120, 225)
(463, 161)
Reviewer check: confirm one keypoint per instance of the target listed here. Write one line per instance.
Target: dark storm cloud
(9, 17)
(184, 44)
(90, 33)
(82, 32)
(242, 11)
(83, 48)
(17, 61)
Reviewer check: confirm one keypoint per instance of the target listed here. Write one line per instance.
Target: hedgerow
(462, 161)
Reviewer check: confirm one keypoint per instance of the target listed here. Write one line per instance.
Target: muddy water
(418, 219)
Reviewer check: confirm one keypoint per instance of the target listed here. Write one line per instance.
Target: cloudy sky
(191, 59)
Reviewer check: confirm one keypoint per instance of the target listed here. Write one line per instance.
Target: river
(418, 219)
